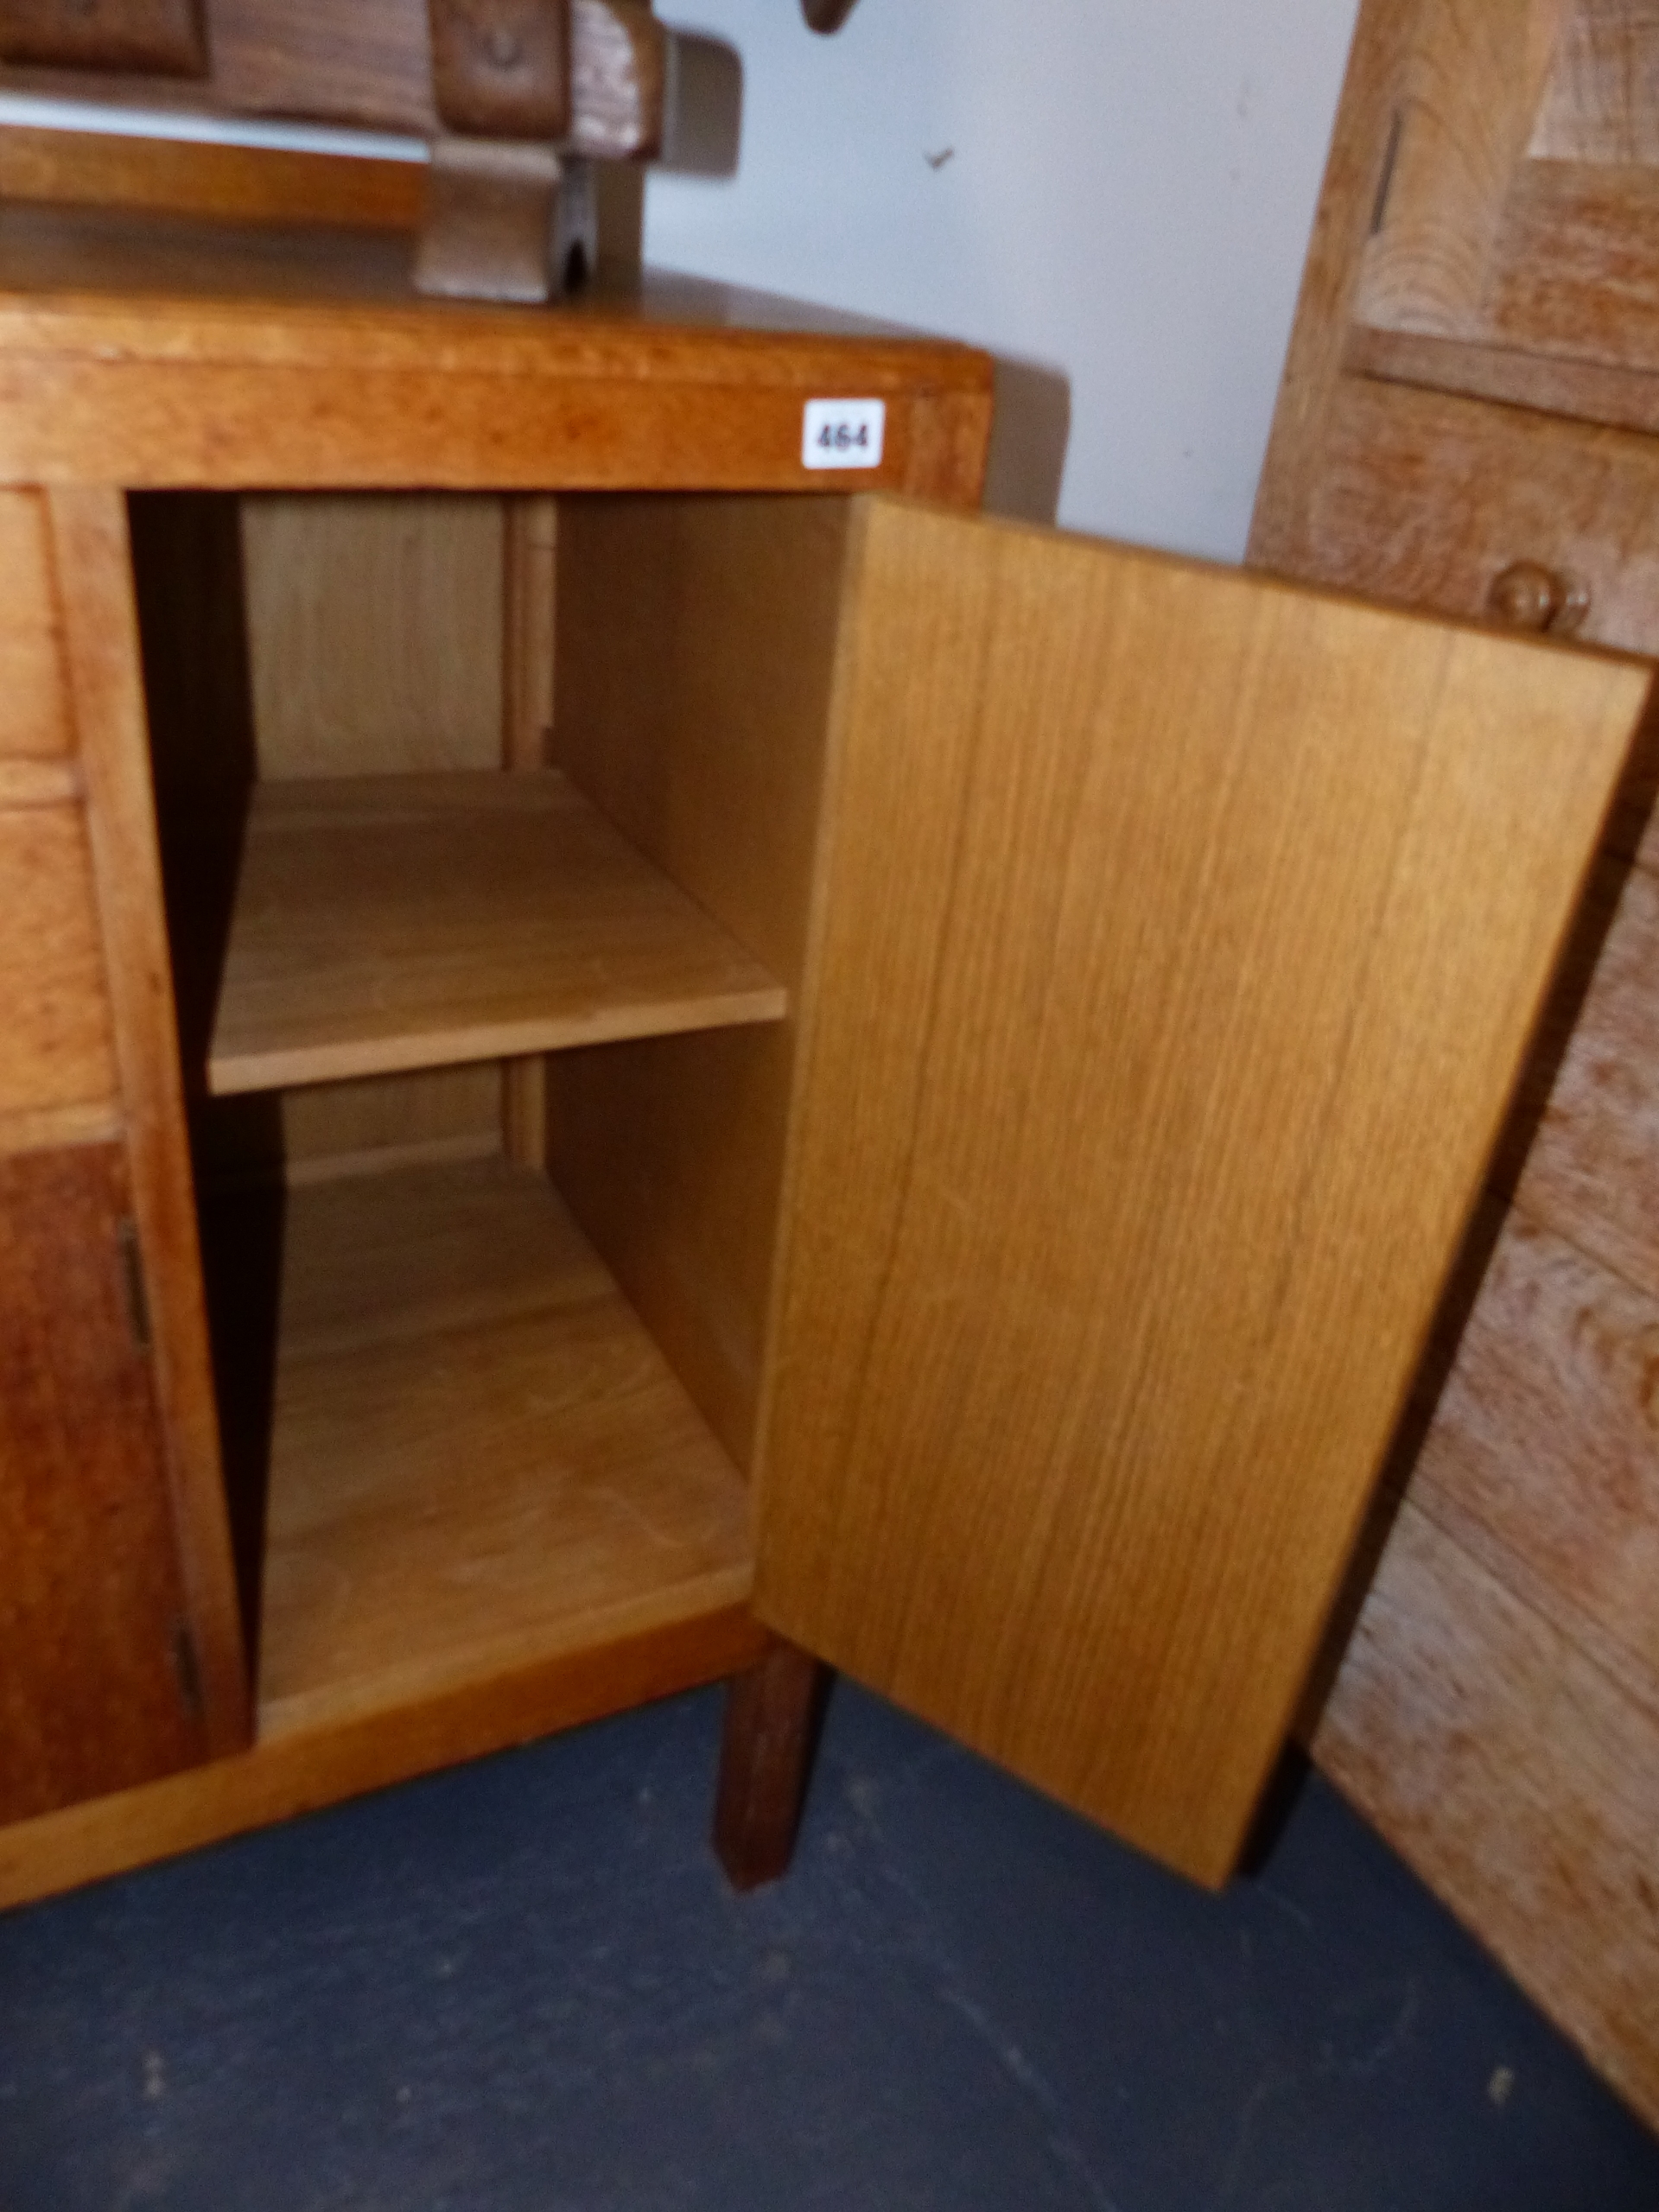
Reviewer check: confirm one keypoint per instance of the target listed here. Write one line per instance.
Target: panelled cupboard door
(1180, 934)
(97, 1688)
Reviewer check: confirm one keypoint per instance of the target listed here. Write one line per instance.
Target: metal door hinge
(188, 1668)
(132, 1279)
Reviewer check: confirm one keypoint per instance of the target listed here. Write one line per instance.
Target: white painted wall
(1126, 205)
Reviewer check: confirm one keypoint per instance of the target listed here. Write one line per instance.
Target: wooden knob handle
(1529, 596)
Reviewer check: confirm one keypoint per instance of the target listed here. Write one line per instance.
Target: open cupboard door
(1179, 937)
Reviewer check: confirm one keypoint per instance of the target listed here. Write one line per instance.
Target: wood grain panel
(186, 177)
(365, 1127)
(478, 1457)
(695, 653)
(91, 1602)
(1592, 1171)
(1543, 1459)
(1573, 268)
(375, 66)
(57, 1049)
(183, 354)
(1425, 499)
(285, 1774)
(374, 633)
(1456, 156)
(33, 712)
(1588, 391)
(406, 922)
(1599, 105)
(1520, 1782)
(1181, 939)
(92, 556)
(1356, 175)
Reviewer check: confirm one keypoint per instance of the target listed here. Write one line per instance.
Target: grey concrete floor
(524, 1985)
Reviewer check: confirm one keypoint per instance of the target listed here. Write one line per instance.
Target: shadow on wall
(1028, 439)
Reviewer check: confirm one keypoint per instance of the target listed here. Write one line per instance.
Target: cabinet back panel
(696, 641)
(374, 631)
(1181, 937)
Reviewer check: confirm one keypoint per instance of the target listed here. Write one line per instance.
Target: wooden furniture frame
(1002, 1062)
(1465, 425)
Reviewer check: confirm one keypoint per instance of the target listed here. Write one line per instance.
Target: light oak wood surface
(1594, 108)
(1455, 153)
(365, 1126)
(285, 1774)
(695, 653)
(1425, 498)
(373, 625)
(44, 1129)
(372, 67)
(92, 558)
(406, 922)
(34, 714)
(1572, 271)
(1590, 1170)
(479, 1459)
(1180, 942)
(1421, 466)
(374, 632)
(58, 1049)
(1356, 175)
(1541, 1460)
(26, 782)
(188, 177)
(1518, 1779)
(1586, 391)
(147, 352)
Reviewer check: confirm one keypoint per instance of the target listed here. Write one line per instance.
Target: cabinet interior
(488, 831)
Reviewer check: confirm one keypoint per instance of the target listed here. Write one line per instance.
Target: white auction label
(842, 433)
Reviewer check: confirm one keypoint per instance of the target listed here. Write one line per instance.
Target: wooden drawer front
(55, 1038)
(91, 1610)
(34, 711)
(1426, 499)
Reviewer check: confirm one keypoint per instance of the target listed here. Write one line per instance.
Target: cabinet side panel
(1519, 1781)
(695, 648)
(1182, 937)
(92, 1697)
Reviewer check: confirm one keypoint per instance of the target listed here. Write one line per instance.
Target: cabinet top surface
(87, 280)
(160, 352)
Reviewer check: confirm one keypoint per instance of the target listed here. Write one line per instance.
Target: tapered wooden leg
(766, 1753)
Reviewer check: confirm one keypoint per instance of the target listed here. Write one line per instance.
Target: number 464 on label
(842, 433)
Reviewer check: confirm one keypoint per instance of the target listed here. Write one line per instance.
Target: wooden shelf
(479, 1460)
(407, 922)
